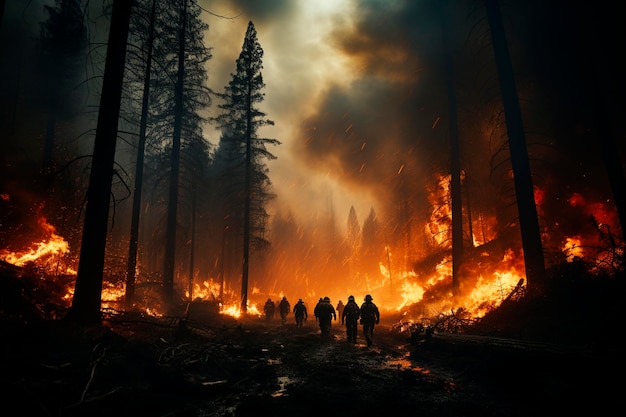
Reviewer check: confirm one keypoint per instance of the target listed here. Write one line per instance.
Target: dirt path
(230, 368)
(446, 375)
(336, 377)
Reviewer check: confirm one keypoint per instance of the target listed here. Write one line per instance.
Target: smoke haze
(359, 101)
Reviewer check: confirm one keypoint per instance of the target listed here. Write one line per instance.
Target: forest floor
(221, 366)
(551, 355)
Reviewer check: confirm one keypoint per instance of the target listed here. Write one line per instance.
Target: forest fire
(461, 163)
(493, 266)
(490, 272)
(47, 252)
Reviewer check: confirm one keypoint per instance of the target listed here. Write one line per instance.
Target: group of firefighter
(351, 315)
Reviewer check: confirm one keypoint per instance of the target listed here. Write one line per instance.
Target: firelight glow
(360, 107)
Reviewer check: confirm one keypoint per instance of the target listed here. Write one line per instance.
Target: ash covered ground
(221, 366)
(538, 356)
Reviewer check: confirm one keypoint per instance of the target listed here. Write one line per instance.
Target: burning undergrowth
(39, 270)
(574, 307)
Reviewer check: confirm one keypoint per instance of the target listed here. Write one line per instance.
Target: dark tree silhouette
(173, 127)
(129, 295)
(190, 97)
(455, 157)
(524, 192)
(372, 248)
(87, 299)
(241, 119)
(353, 243)
(172, 207)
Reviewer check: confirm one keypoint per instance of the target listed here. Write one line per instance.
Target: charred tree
(178, 93)
(240, 121)
(354, 241)
(192, 242)
(529, 222)
(372, 245)
(195, 185)
(172, 207)
(129, 296)
(455, 154)
(87, 299)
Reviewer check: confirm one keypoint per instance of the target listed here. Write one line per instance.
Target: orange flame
(45, 253)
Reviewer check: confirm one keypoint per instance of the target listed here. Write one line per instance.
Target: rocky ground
(220, 366)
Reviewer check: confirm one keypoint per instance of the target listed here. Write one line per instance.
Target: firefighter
(325, 313)
(269, 309)
(370, 316)
(300, 313)
(350, 316)
(283, 309)
(339, 308)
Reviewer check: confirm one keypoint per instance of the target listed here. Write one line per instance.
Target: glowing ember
(234, 310)
(111, 294)
(206, 290)
(45, 253)
(56, 246)
(572, 248)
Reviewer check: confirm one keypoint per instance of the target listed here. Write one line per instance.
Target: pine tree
(172, 129)
(147, 33)
(240, 122)
(372, 248)
(353, 241)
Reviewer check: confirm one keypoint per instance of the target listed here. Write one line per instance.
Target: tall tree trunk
(87, 299)
(192, 249)
(529, 223)
(172, 207)
(129, 297)
(222, 269)
(455, 154)
(248, 192)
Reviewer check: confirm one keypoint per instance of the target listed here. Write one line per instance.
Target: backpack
(368, 312)
(351, 311)
(299, 309)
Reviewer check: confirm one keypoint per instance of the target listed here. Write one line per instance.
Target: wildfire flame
(46, 253)
(488, 278)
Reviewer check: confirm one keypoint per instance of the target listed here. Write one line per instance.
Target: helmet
(326, 299)
(351, 298)
(368, 297)
(284, 298)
